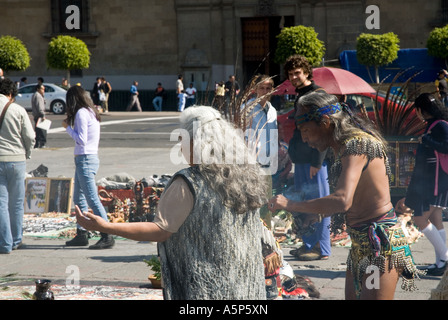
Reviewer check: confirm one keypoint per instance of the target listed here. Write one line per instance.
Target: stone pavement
(123, 266)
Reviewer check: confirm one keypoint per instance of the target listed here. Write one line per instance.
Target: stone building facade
(205, 40)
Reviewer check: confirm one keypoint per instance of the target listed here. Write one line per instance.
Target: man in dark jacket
(38, 109)
(310, 169)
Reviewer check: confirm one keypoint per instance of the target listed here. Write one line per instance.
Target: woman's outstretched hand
(89, 221)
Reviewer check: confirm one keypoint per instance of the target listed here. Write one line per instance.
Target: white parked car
(54, 97)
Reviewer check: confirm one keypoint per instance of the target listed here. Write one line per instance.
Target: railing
(444, 11)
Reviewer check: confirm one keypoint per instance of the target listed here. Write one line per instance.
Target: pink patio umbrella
(333, 80)
(340, 81)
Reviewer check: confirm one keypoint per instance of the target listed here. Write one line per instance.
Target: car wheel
(57, 107)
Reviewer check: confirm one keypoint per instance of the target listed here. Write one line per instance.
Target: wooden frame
(36, 195)
(48, 195)
(59, 197)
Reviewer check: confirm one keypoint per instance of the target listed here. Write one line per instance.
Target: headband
(318, 113)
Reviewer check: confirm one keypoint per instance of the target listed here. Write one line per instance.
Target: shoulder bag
(3, 113)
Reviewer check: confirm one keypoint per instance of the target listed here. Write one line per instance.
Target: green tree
(67, 53)
(299, 40)
(13, 54)
(437, 43)
(376, 50)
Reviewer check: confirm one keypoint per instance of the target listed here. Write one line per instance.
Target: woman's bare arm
(138, 231)
(339, 201)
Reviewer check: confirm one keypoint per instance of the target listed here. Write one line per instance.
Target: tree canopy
(13, 54)
(299, 40)
(376, 50)
(67, 53)
(437, 43)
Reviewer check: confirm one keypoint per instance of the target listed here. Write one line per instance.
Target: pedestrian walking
(219, 100)
(232, 90)
(134, 101)
(64, 84)
(158, 98)
(16, 142)
(83, 125)
(182, 97)
(23, 82)
(191, 96)
(95, 93)
(427, 193)
(107, 89)
(38, 110)
(179, 84)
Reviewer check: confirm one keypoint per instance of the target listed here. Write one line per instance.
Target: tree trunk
(68, 77)
(377, 75)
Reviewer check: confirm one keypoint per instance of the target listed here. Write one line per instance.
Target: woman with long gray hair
(359, 179)
(207, 223)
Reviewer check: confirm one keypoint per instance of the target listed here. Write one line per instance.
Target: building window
(444, 12)
(70, 16)
(76, 73)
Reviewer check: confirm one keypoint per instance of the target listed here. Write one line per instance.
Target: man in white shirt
(191, 96)
(262, 130)
(179, 84)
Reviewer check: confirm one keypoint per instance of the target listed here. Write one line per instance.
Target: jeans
(12, 196)
(85, 192)
(314, 188)
(157, 103)
(445, 100)
(190, 102)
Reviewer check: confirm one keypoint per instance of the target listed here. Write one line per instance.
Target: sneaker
(298, 251)
(309, 256)
(106, 242)
(81, 239)
(16, 247)
(436, 271)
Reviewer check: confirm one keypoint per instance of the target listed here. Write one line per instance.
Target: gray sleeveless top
(216, 253)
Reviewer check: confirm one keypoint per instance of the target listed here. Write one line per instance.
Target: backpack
(442, 160)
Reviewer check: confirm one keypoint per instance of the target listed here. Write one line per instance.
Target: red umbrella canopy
(340, 81)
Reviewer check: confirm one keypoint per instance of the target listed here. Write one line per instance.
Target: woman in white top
(83, 125)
